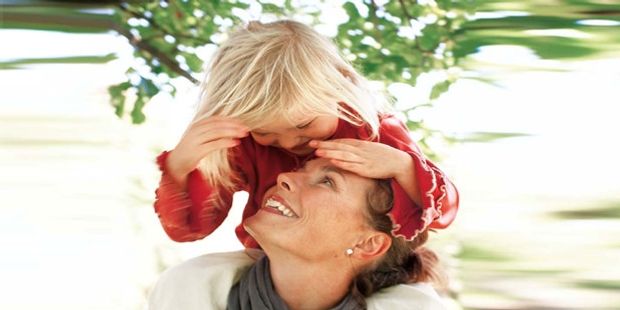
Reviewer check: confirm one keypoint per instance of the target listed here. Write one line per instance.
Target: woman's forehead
(323, 164)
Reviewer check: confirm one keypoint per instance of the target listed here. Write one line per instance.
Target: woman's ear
(373, 246)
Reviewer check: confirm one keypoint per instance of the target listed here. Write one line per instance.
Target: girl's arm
(188, 215)
(423, 195)
(184, 200)
(423, 182)
(446, 199)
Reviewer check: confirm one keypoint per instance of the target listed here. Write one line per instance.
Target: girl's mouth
(303, 148)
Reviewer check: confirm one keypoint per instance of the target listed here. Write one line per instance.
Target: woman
(328, 244)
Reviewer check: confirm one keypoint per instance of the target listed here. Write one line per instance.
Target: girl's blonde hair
(263, 71)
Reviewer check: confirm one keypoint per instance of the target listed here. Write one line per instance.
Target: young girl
(275, 96)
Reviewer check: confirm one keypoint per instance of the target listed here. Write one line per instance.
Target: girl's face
(294, 137)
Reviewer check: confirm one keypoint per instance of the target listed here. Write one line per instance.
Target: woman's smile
(278, 206)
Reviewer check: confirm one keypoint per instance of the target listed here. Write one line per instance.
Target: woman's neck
(303, 285)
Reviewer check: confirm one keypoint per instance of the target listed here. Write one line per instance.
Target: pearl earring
(349, 252)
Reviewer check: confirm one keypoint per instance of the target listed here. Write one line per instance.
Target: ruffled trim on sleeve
(439, 198)
(409, 219)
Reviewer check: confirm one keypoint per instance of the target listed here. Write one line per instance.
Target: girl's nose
(288, 142)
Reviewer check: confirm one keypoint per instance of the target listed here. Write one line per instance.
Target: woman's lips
(272, 210)
(278, 205)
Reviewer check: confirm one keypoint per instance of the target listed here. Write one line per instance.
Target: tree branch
(163, 58)
(404, 7)
(157, 26)
(372, 12)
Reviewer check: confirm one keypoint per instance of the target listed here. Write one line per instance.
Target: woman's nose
(286, 182)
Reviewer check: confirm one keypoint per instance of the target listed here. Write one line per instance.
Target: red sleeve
(188, 215)
(440, 198)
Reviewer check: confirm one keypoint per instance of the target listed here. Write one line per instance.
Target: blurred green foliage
(606, 210)
(471, 252)
(17, 63)
(391, 42)
(388, 41)
(599, 284)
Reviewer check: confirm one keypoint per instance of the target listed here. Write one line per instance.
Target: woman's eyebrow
(338, 171)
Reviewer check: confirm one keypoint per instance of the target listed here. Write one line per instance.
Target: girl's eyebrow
(300, 125)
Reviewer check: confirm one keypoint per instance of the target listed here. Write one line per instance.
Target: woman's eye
(327, 181)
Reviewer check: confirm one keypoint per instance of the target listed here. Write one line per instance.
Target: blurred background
(517, 101)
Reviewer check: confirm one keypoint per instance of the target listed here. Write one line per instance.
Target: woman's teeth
(271, 203)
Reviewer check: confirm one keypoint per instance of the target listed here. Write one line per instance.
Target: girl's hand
(201, 138)
(365, 158)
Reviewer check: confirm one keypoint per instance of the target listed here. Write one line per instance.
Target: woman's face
(316, 212)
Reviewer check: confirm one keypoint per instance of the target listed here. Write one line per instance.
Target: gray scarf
(255, 291)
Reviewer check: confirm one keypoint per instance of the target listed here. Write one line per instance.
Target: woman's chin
(267, 222)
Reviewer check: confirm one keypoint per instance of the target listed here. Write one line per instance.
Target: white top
(203, 283)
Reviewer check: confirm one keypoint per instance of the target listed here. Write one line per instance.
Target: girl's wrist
(177, 173)
(405, 168)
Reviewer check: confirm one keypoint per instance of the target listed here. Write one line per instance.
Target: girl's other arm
(396, 156)
(421, 179)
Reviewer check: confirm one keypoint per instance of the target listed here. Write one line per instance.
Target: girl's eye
(260, 134)
(306, 125)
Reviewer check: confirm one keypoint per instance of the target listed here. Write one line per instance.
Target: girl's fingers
(349, 166)
(330, 145)
(217, 118)
(344, 141)
(218, 122)
(219, 125)
(211, 135)
(215, 145)
(339, 155)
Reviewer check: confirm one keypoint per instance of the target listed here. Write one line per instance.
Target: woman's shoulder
(417, 296)
(202, 282)
(205, 281)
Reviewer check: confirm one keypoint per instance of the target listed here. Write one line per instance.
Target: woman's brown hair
(404, 262)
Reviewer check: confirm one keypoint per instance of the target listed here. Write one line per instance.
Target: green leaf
(272, 8)
(370, 67)
(194, 63)
(439, 89)
(351, 10)
(137, 116)
(147, 87)
(430, 39)
(117, 97)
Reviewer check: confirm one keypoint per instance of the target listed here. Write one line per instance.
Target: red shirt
(192, 215)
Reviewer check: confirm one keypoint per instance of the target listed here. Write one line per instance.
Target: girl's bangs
(314, 100)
